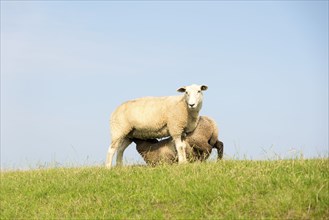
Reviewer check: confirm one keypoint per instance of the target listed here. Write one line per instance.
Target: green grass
(231, 189)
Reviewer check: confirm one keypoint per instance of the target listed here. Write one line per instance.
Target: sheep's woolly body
(199, 145)
(148, 117)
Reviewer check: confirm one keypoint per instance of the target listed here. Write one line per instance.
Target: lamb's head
(193, 95)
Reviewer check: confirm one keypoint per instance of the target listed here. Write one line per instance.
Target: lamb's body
(157, 152)
(200, 143)
(155, 117)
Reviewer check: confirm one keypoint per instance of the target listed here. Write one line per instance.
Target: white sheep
(200, 143)
(155, 117)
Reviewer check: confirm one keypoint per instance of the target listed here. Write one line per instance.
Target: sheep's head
(193, 95)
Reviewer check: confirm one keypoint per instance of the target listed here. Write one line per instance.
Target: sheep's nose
(191, 105)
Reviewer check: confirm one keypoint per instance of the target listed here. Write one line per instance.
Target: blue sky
(65, 66)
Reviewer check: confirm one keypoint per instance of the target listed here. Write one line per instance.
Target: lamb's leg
(181, 149)
(220, 149)
(124, 144)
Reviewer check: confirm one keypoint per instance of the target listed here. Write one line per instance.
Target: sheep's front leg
(181, 149)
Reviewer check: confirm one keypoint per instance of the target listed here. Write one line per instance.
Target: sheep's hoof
(182, 162)
(108, 166)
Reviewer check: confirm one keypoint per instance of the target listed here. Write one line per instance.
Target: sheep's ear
(181, 89)
(204, 88)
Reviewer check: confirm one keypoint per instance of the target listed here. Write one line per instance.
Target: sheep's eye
(199, 91)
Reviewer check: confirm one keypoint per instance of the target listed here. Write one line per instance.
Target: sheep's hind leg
(110, 153)
(181, 150)
(123, 145)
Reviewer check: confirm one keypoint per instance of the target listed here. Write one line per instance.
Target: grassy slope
(227, 189)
